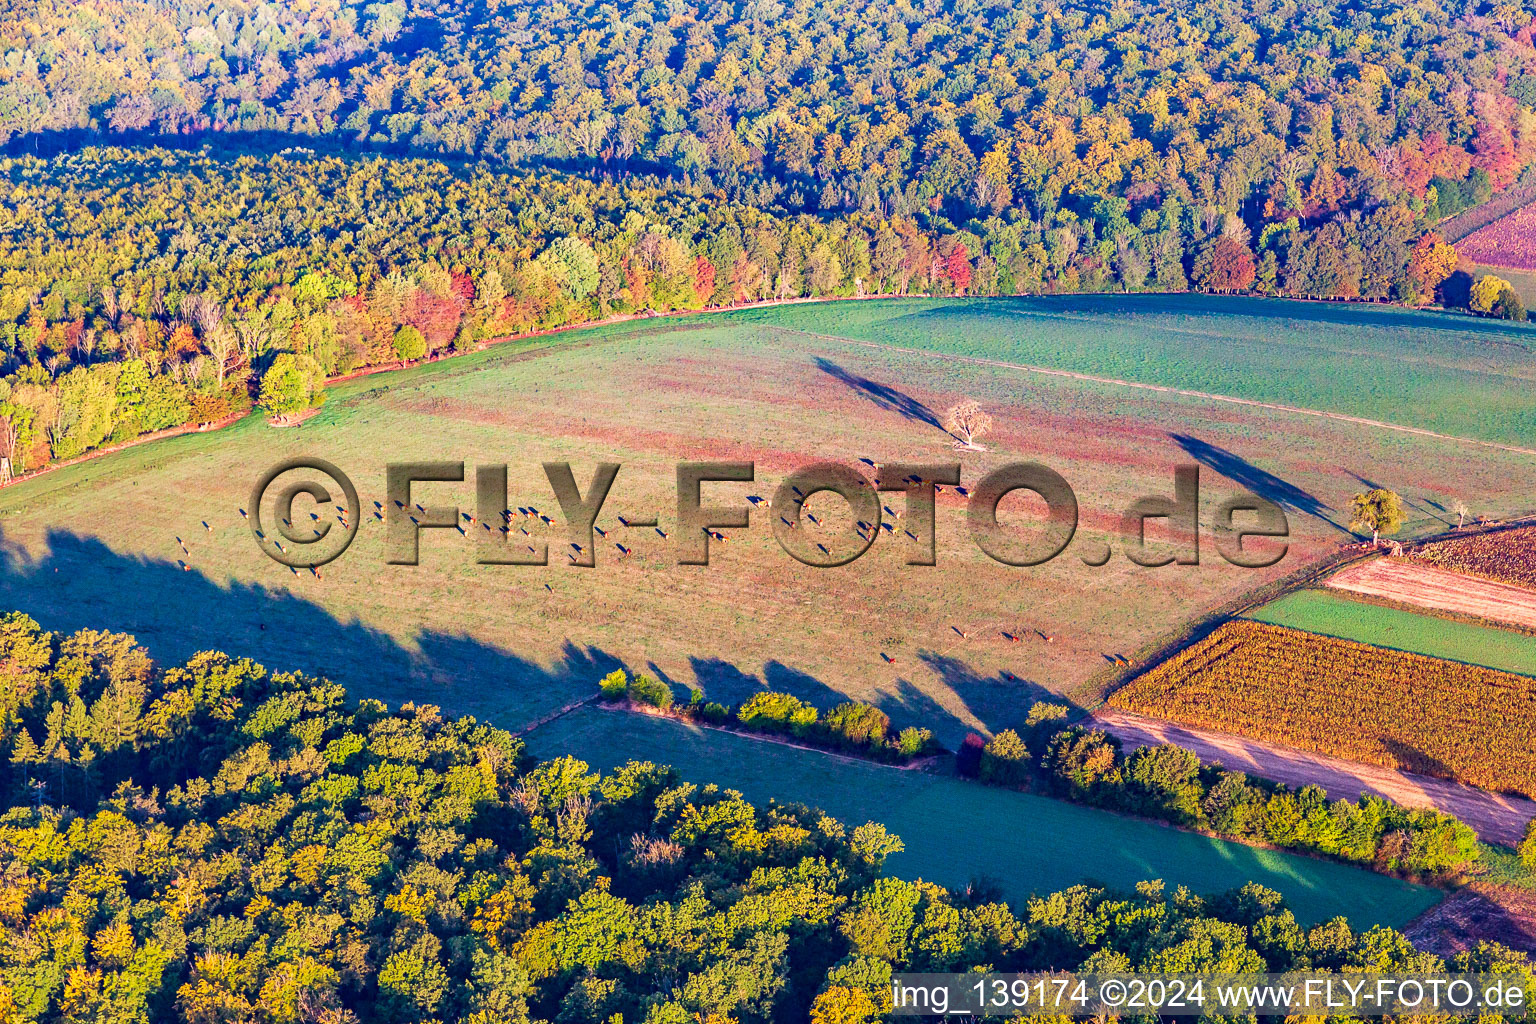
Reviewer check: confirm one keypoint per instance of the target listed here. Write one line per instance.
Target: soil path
(1497, 818)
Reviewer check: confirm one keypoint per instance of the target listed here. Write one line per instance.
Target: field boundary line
(919, 765)
(559, 712)
(1165, 389)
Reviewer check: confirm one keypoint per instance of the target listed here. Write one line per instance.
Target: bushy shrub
(914, 742)
(854, 725)
(715, 714)
(1005, 760)
(968, 758)
(777, 712)
(1164, 782)
(614, 685)
(1042, 712)
(1082, 762)
(409, 343)
(645, 690)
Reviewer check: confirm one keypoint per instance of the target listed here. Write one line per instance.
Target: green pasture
(957, 831)
(1331, 614)
(1447, 372)
(119, 542)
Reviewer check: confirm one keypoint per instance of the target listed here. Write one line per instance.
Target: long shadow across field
(175, 612)
(883, 395)
(1260, 481)
(83, 584)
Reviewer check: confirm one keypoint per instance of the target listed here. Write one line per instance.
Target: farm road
(1496, 817)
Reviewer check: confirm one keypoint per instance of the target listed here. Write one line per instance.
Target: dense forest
(352, 183)
(215, 842)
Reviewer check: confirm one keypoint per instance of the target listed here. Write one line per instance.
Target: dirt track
(1497, 818)
(1428, 587)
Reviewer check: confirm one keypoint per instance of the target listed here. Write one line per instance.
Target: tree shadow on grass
(1260, 481)
(1429, 509)
(175, 613)
(883, 395)
(81, 583)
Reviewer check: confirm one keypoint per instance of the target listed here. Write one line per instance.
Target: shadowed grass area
(957, 831)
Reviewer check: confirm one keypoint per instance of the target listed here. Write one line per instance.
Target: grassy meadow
(1319, 611)
(956, 832)
(101, 543)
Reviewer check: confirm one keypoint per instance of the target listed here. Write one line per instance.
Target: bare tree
(1461, 510)
(966, 421)
(222, 345)
(109, 304)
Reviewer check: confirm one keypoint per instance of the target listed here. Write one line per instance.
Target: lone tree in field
(967, 422)
(1378, 510)
(1461, 511)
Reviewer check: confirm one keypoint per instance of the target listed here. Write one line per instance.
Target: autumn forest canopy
(217, 204)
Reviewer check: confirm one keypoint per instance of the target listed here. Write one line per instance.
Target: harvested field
(966, 644)
(1426, 586)
(1504, 556)
(1402, 711)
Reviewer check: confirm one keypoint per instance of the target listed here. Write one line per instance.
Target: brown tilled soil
(1427, 587)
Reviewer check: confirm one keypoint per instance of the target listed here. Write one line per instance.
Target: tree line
(212, 842)
(1169, 782)
(146, 288)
